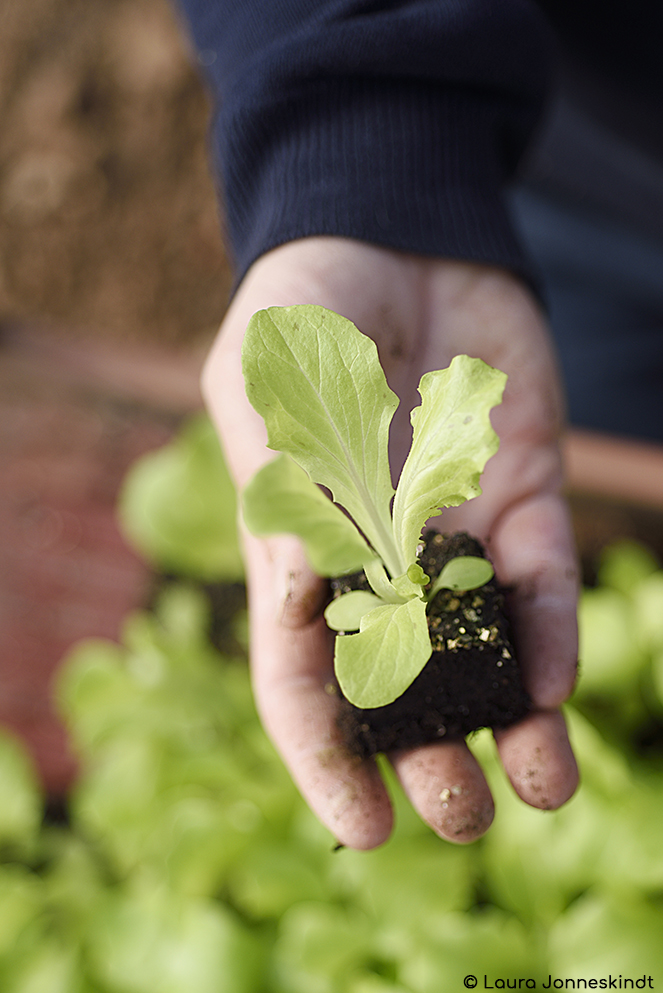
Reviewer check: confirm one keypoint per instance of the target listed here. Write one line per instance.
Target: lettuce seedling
(317, 382)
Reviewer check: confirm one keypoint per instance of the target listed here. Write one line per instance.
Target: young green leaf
(465, 572)
(281, 499)
(417, 575)
(406, 587)
(318, 384)
(377, 665)
(412, 582)
(453, 440)
(381, 584)
(346, 612)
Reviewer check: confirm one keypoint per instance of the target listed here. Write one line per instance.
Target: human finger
(299, 594)
(534, 555)
(292, 672)
(446, 786)
(538, 759)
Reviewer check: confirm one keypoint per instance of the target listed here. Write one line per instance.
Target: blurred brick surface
(66, 441)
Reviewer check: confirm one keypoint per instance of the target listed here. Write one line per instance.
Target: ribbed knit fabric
(397, 123)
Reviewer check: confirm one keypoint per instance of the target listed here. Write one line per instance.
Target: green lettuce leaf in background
(178, 507)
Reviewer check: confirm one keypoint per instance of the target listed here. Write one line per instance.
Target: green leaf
(465, 572)
(282, 499)
(275, 876)
(610, 657)
(648, 603)
(380, 583)
(346, 612)
(453, 440)
(150, 940)
(624, 564)
(408, 587)
(494, 942)
(417, 575)
(601, 935)
(377, 665)
(22, 898)
(320, 946)
(178, 507)
(51, 968)
(21, 800)
(318, 384)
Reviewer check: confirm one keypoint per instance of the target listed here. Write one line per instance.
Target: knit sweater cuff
(404, 165)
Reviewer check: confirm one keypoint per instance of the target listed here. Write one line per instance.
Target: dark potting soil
(472, 679)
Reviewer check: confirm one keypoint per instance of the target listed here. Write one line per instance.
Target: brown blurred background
(112, 282)
(107, 212)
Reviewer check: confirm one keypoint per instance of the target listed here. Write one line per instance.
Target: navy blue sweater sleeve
(396, 122)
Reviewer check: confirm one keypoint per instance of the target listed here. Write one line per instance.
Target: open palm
(420, 312)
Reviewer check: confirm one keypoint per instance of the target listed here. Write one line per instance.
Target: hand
(420, 312)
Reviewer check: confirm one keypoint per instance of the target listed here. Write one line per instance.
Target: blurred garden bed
(184, 860)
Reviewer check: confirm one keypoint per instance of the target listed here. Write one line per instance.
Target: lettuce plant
(318, 384)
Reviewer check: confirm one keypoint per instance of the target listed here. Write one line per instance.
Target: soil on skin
(472, 679)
